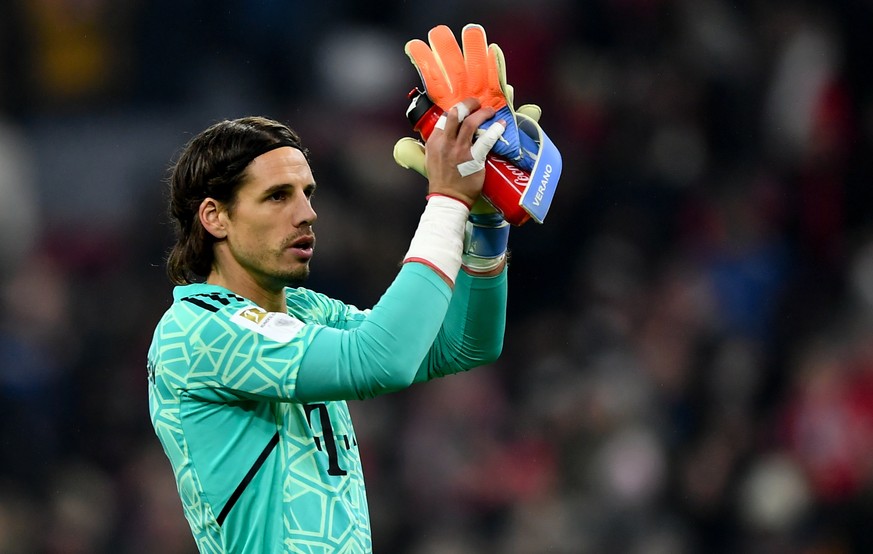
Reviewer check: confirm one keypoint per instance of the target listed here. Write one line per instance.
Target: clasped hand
(453, 160)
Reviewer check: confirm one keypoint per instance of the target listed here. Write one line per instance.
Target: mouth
(303, 246)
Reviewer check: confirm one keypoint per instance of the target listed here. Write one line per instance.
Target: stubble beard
(297, 277)
(277, 278)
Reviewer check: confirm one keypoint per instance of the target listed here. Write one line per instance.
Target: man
(250, 372)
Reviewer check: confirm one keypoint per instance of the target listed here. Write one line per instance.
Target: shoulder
(201, 323)
(197, 306)
(316, 307)
(206, 297)
(310, 305)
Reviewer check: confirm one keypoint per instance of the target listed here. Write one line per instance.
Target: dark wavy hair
(213, 165)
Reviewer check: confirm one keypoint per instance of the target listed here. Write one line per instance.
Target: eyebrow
(310, 188)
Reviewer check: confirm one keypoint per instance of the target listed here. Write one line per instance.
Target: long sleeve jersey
(250, 406)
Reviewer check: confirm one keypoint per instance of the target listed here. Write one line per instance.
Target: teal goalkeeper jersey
(266, 460)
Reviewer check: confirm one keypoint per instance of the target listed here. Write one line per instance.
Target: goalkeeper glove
(487, 233)
(449, 76)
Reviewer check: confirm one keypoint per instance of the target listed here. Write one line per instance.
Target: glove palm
(479, 71)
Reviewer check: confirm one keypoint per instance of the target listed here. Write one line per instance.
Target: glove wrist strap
(537, 198)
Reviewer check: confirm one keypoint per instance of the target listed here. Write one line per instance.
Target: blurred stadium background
(689, 357)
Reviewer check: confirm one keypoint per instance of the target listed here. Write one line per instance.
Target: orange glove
(450, 75)
(479, 71)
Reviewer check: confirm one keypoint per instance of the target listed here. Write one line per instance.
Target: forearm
(383, 353)
(472, 334)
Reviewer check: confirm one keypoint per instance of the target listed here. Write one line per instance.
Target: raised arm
(385, 352)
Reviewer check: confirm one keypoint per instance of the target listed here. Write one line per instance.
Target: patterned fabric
(222, 402)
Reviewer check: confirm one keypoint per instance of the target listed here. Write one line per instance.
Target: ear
(211, 219)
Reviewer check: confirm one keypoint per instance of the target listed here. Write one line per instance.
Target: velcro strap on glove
(546, 172)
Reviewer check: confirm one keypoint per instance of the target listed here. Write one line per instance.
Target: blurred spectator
(36, 345)
(19, 211)
(76, 55)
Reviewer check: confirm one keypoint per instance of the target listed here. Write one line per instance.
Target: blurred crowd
(689, 354)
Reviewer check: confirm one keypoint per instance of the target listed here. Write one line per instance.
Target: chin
(296, 278)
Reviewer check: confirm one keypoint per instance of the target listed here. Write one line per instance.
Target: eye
(278, 196)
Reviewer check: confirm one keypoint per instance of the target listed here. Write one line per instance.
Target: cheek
(263, 231)
(251, 236)
(268, 234)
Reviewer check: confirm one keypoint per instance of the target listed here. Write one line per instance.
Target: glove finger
(409, 154)
(531, 110)
(509, 94)
(529, 133)
(497, 84)
(447, 51)
(477, 60)
(430, 70)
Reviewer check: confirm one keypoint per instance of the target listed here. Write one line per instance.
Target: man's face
(269, 229)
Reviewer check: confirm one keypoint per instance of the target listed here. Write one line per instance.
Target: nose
(305, 214)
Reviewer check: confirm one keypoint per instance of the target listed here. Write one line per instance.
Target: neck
(271, 298)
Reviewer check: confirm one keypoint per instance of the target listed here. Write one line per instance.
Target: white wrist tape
(439, 239)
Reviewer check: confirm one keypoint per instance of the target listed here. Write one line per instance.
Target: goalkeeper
(249, 372)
